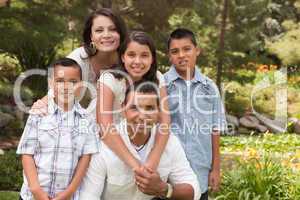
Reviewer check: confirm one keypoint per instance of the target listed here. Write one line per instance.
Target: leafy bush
(259, 179)
(10, 171)
(9, 195)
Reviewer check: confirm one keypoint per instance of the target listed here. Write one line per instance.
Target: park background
(243, 43)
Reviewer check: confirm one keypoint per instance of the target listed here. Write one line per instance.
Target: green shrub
(259, 179)
(9, 195)
(10, 171)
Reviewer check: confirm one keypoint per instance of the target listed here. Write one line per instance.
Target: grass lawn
(9, 195)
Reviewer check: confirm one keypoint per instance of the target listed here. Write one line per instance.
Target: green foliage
(273, 143)
(9, 195)
(286, 48)
(259, 179)
(237, 98)
(6, 93)
(10, 171)
(33, 30)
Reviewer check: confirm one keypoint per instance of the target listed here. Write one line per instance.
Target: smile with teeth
(110, 42)
(183, 62)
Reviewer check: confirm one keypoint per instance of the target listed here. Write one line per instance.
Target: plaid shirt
(57, 141)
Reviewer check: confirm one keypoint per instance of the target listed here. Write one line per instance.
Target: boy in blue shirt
(197, 113)
(56, 148)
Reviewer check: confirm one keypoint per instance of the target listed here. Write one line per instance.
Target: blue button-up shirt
(196, 109)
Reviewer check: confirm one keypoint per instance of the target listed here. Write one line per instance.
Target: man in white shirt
(110, 178)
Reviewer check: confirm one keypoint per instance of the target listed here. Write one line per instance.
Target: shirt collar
(124, 133)
(53, 108)
(198, 77)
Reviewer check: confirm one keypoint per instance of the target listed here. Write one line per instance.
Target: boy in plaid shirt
(56, 148)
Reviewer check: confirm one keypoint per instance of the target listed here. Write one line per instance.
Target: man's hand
(214, 180)
(39, 194)
(149, 182)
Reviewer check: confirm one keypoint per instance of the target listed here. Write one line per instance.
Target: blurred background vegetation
(243, 43)
(240, 40)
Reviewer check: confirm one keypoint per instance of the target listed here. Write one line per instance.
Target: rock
(292, 120)
(231, 129)
(232, 120)
(297, 127)
(249, 121)
(5, 119)
(261, 128)
(1, 152)
(244, 131)
(6, 145)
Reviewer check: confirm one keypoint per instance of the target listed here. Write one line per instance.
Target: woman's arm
(40, 107)
(109, 135)
(162, 135)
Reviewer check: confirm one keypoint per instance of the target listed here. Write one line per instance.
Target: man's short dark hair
(144, 87)
(181, 33)
(65, 62)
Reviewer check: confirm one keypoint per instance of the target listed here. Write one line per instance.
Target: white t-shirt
(118, 87)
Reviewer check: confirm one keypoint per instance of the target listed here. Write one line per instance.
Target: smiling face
(65, 84)
(141, 111)
(104, 34)
(183, 54)
(137, 60)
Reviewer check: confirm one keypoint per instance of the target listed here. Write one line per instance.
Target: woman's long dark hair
(143, 39)
(115, 18)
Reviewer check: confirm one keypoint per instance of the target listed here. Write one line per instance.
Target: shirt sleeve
(181, 170)
(94, 181)
(218, 117)
(161, 79)
(92, 140)
(29, 139)
(109, 80)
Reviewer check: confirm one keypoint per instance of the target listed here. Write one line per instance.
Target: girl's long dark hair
(143, 39)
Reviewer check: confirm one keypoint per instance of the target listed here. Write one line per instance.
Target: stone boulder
(297, 127)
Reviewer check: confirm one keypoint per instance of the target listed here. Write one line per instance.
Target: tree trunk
(221, 43)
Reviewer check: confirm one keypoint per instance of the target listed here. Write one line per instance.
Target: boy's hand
(214, 180)
(40, 194)
(62, 196)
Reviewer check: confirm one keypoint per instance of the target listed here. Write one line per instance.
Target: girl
(138, 60)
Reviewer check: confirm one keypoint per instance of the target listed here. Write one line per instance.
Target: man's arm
(32, 178)
(150, 183)
(182, 178)
(80, 171)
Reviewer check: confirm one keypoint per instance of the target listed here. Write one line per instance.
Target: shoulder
(109, 80)
(173, 144)
(169, 76)
(79, 55)
(210, 85)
